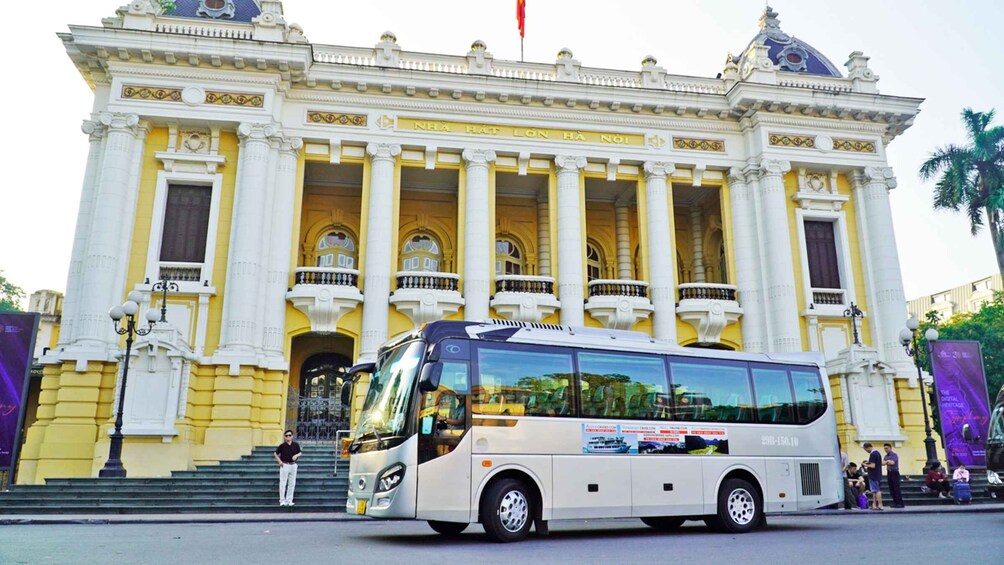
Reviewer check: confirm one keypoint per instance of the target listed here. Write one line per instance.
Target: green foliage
(168, 5)
(970, 178)
(11, 295)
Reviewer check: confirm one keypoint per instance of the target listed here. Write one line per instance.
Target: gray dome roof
(228, 10)
(788, 52)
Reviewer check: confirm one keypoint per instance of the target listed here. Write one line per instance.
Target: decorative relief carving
(336, 119)
(478, 156)
(569, 163)
(195, 141)
(854, 145)
(696, 144)
(785, 140)
(655, 141)
(658, 169)
(235, 99)
(134, 92)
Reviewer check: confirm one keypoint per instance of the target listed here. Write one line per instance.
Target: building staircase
(250, 484)
(914, 496)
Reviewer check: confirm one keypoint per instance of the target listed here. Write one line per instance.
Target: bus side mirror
(967, 433)
(346, 392)
(428, 381)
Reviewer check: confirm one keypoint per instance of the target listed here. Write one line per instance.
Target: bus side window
(523, 381)
(810, 397)
(774, 401)
(711, 390)
(620, 385)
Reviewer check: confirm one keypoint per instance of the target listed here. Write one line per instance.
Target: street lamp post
(164, 286)
(908, 337)
(113, 467)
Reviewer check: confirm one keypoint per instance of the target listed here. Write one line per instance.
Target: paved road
(845, 538)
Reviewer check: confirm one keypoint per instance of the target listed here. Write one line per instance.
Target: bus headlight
(993, 478)
(390, 478)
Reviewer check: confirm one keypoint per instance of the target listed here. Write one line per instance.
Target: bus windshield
(385, 410)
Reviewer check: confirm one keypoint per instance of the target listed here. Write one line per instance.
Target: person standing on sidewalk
(286, 455)
(891, 462)
(873, 466)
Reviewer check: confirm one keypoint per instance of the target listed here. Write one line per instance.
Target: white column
(786, 335)
(245, 264)
(543, 236)
(95, 131)
(104, 246)
(570, 240)
(886, 299)
(747, 252)
(661, 253)
(697, 243)
(623, 241)
(128, 223)
(378, 262)
(477, 235)
(281, 242)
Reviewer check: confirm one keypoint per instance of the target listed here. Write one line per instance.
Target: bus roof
(591, 338)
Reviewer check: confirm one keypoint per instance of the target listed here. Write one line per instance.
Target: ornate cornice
(569, 163)
(478, 157)
(228, 76)
(383, 151)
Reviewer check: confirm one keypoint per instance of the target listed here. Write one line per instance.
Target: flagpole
(521, 49)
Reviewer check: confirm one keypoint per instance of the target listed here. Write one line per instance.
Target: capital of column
(252, 131)
(291, 145)
(383, 151)
(94, 129)
(773, 167)
(881, 175)
(478, 157)
(736, 175)
(570, 163)
(118, 121)
(655, 169)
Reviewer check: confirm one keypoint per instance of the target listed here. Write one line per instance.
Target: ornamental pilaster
(748, 262)
(477, 234)
(661, 251)
(280, 243)
(378, 260)
(883, 278)
(623, 241)
(570, 277)
(780, 296)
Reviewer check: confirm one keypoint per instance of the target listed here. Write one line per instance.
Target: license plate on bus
(360, 507)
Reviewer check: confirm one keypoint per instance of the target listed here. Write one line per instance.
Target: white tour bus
(512, 425)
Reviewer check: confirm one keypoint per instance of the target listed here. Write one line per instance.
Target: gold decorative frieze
(519, 132)
(696, 144)
(336, 119)
(854, 145)
(134, 92)
(785, 140)
(235, 99)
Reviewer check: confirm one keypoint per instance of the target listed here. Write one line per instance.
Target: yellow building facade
(311, 202)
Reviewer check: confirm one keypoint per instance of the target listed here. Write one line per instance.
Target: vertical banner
(962, 400)
(17, 344)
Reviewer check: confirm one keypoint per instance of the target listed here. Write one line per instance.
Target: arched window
(421, 253)
(508, 257)
(594, 262)
(336, 249)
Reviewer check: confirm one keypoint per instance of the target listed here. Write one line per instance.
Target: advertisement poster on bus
(654, 439)
(963, 405)
(17, 343)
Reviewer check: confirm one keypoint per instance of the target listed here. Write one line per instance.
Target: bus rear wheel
(664, 523)
(740, 508)
(507, 511)
(448, 528)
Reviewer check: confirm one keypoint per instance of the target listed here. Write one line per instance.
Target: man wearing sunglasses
(286, 455)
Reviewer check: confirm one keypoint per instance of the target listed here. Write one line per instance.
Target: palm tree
(971, 177)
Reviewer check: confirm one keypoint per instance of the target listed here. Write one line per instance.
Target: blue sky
(949, 55)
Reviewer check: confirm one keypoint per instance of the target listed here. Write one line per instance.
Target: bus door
(444, 446)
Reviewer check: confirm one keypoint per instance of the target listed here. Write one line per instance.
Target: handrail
(327, 276)
(708, 291)
(526, 284)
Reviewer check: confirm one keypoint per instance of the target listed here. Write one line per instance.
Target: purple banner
(962, 400)
(17, 339)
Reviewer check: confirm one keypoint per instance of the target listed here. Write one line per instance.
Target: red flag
(521, 16)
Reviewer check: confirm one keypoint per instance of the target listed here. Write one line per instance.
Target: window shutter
(186, 224)
(824, 271)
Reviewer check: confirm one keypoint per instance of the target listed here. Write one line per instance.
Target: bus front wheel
(448, 528)
(507, 511)
(740, 508)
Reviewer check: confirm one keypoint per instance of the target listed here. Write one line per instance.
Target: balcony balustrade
(524, 298)
(426, 296)
(325, 295)
(709, 307)
(617, 303)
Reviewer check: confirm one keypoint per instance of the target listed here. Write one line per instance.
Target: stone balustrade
(424, 280)
(327, 276)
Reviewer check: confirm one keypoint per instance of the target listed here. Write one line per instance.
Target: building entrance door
(316, 412)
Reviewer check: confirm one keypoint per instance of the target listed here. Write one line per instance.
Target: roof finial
(769, 19)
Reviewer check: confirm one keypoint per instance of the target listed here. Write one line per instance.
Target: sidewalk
(222, 518)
